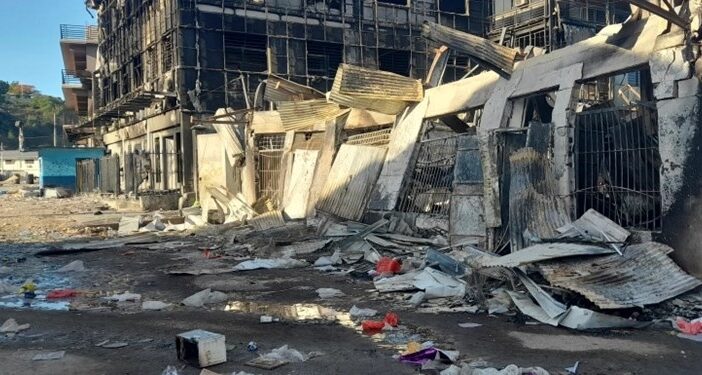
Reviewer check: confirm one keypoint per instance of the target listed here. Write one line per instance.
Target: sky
(29, 40)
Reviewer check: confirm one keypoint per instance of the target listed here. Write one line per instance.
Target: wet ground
(306, 322)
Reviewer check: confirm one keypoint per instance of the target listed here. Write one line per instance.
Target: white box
(201, 348)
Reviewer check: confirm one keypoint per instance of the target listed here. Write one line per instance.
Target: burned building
(551, 24)
(162, 63)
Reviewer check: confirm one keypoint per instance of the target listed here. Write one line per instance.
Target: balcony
(77, 33)
(77, 91)
(72, 79)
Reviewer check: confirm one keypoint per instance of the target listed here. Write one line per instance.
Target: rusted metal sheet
(542, 252)
(307, 113)
(644, 275)
(377, 84)
(282, 90)
(491, 55)
(351, 180)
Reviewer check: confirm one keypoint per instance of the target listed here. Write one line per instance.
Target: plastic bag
(388, 265)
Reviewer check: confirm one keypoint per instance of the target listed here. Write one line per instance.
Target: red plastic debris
(61, 293)
(391, 319)
(388, 265)
(691, 328)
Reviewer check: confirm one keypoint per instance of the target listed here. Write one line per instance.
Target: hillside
(33, 109)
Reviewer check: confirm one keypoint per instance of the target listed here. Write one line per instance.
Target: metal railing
(70, 77)
(78, 32)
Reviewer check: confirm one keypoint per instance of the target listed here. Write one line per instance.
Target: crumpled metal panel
(644, 275)
(543, 252)
(282, 90)
(307, 113)
(377, 84)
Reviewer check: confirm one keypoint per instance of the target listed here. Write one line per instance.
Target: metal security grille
(429, 187)
(617, 165)
(268, 166)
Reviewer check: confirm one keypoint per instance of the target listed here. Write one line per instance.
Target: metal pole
(54, 128)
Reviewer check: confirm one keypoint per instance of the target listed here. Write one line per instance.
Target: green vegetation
(20, 102)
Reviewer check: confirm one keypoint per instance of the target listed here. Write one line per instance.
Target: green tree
(4, 87)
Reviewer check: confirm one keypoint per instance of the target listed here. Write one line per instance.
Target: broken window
(395, 2)
(615, 152)
(245, 52)
(395, 61)
(269, 155)
(430, 184)
(323, 58)
(453, 6)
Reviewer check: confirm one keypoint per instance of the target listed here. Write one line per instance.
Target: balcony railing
(72, 78)
(78, 32)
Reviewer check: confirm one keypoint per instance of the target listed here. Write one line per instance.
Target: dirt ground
(306, 324)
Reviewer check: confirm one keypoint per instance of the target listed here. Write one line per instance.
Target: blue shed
(57, 165)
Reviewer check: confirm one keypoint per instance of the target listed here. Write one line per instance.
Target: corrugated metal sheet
(282, 90)
(535, 209)
(360, 118)
(389, 107)
(307, 113)
(351, 180)
(268, 220)
(494, 56)
(644, 275)
(377, 84)
(542, 252)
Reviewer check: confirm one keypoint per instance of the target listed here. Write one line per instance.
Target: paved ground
(499, 341)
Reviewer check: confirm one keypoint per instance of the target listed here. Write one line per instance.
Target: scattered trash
(205, 297)
(282, 263)
(75, 266)
(326, 293)
(573, 369)
(510, 370)
(279, 357)
(252, 346)
(373, 326)
(264, 319)
(10, 327)
(427, 355)
(28, 289)
(112, 345)
(356, 312)
(61, 293)
(469, 325)
(126, 296)
(170, 370)
(7, 288)
(201, 348)
(154, 305)
(693, 327)
(49, 356)
(434, 283)
(388, 266)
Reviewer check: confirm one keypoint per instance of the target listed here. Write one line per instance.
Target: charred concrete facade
(164, 62)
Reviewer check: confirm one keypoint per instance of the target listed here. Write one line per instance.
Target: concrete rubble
(475, 197)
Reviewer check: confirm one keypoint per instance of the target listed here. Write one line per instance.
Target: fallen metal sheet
(267, 122)
(307, 247)
(489, 54)
(69, 248)
(377, 84)
(595, 227)
(282, 90)
(434, 283)
(388, 107)
(351, 180)
(361, 118)
(280, 263)
(238, 209)
(542, 252)
(268, 220)
(435, 241)
(574, 317)
(297, 187)
(307, 113)
(385, 243)
(644, 275)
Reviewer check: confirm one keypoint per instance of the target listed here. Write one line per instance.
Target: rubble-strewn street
(165, 270)
(441, 187)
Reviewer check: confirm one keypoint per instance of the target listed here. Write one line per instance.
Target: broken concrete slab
(154, 305)
(128, 225)
(205, 297)
(11, 327)
(329, 293)
(75, 266)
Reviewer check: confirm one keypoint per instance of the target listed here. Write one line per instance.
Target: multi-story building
(551, 24)
(161, 62)
(79, 50)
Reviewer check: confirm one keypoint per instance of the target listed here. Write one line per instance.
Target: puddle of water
(37, 303)
(395, 339)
